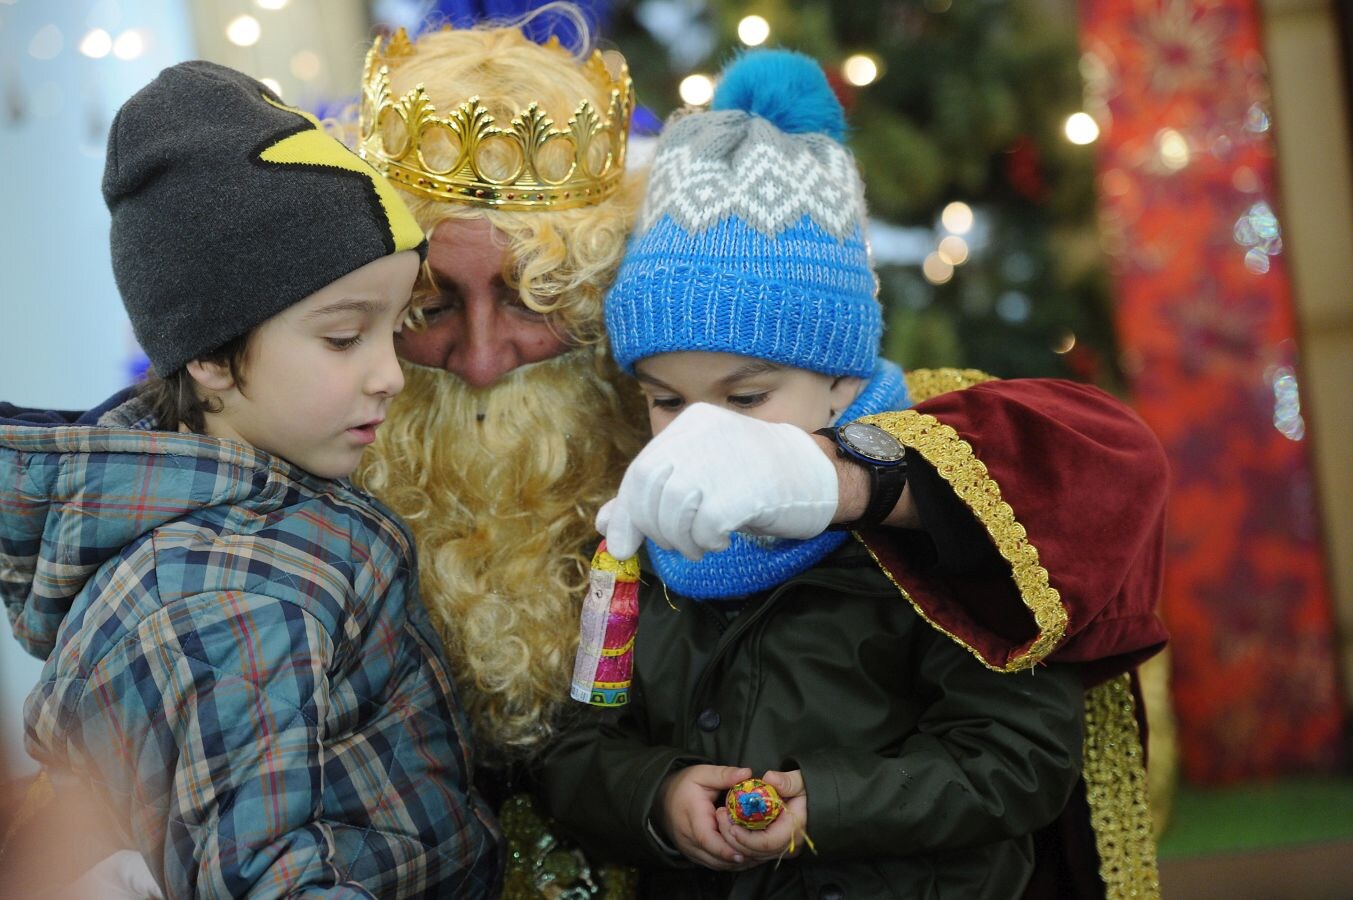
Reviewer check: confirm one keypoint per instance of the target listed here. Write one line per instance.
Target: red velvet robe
(1070, 485)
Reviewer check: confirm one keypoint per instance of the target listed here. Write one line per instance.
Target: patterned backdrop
(1190, 209)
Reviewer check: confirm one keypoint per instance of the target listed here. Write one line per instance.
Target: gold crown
(440, 156)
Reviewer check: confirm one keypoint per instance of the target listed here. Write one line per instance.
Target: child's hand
(789, 828)
(685, 812)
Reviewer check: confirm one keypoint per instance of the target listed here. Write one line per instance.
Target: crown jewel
(468, 157)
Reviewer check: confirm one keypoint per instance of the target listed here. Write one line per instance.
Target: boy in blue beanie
(238, 667)
(747, 292)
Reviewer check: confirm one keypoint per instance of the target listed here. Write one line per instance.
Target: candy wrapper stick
(604, 666)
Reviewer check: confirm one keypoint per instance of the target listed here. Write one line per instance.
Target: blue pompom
(787, 88)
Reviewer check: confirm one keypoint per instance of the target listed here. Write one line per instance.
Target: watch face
(871, 441)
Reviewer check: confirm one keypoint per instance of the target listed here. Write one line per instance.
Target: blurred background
(1149, 195)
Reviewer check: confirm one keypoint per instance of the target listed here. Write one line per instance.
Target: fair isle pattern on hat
(751, 238)
(767, 178)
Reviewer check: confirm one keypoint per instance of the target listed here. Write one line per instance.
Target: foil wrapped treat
(753, 804)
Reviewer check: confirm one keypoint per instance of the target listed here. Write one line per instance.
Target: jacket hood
(77, 488)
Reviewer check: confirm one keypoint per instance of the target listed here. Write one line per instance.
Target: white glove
(712, 472)
(122, 876)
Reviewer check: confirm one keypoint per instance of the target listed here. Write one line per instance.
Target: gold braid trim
(953, 457)
(922, 384)
(1115, 788)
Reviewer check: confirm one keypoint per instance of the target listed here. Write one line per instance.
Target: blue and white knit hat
(751, 238)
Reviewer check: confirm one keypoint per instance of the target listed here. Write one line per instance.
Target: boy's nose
(387, 378)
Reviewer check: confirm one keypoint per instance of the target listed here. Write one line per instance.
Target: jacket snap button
(831, 892)
(708, 720)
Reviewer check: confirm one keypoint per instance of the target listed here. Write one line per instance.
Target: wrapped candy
(604, 666)
(753, 804)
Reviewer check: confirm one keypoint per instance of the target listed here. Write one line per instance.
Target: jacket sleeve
(994, 756)
(1069, 485)
(600, 781)
(206, 724)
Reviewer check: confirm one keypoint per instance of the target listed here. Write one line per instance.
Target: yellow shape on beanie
(316, 147)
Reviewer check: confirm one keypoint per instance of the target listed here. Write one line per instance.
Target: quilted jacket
(237, 661)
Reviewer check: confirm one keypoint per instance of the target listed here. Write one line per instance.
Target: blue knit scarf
(751, 563)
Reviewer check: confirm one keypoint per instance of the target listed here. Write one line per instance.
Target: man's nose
(486, 351)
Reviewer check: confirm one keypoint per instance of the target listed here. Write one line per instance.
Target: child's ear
(844, 390)
(211, 376)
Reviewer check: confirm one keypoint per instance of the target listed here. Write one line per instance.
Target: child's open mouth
(365, 434)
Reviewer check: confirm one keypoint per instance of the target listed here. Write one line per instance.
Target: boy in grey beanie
(238, 666)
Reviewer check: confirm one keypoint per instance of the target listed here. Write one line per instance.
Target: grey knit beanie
(228, 207)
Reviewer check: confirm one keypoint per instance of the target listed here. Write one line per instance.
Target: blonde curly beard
(500, 487)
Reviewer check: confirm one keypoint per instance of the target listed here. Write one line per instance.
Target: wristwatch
(883, 456)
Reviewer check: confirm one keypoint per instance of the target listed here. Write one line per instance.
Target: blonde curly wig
(500, 485)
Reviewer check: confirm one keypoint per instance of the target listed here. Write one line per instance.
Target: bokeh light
(936, 270)
(860, 69)
(1081, 128)
(753, 31)
(244, 31)
(96, 44)
(129, 45)
(953, 250)
(697, 89)
(957, 217)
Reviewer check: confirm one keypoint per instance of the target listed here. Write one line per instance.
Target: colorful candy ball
(753, 804)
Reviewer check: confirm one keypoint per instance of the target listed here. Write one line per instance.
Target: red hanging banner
(1187, 193)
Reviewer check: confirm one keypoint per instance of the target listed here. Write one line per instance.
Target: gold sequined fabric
(543, 864)
(1115, 785)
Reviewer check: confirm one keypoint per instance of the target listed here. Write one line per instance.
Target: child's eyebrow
(754, 367)
(643, 376)
(366, 307)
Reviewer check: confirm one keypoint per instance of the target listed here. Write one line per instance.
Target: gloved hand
(122, 876)
(712, 472)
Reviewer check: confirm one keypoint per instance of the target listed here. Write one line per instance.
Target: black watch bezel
(887, 471)
(856, 448)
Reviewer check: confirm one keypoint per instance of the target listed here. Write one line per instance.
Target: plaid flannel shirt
(237, 660)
